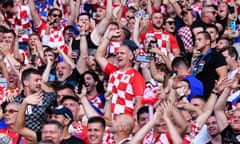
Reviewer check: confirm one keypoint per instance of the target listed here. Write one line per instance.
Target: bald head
(128, 122)
(123, 125)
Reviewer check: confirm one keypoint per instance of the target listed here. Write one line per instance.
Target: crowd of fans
(119, 71)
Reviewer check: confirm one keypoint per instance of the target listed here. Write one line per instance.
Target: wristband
(216, 93)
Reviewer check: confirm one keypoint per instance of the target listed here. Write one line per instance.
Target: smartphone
(233, 25)
(145, 59)
(146, 16)
(231, 10)
(140, 13)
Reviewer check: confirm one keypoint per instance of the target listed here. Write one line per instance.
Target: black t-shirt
(208, 74)
(223, 22)
(72, 140)
(73, 79)
(228, 137)
(76, 43)
(199, 22)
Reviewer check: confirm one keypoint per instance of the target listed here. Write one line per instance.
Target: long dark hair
(99, 87)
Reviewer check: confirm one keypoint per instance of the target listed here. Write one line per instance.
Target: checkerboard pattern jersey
(21, 21)
(36, 115)
(124, 87)
(186, 37)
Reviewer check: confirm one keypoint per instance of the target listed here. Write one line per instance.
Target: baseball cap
(62, 110)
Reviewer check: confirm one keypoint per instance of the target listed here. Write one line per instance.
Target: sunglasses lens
(55, 15)
(170, 22)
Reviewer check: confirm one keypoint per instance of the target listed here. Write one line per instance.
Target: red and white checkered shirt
(4, 93)
(125, 86)
(188, 139)
(108, 137)
(164, 40)
(113, 47)
(186, 37)
(197, 8)
(163, 138)
(80, 131)
(38, 60)
(21, 21)
(55, 39)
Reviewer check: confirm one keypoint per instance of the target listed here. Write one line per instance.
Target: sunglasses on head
(11, 111)
(170, 22)
(57, 15)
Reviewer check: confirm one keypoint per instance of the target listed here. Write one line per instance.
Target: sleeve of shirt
(110, 68)
(138, 84)
(173, 42)
(218, 60)
(41, 29)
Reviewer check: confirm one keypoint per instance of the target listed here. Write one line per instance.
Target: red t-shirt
(14, 136)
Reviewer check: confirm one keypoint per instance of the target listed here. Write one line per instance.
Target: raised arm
(136, 30)
(72, 13)
(66, 58)
(82, 61)
(108, 108)
(137, 139)
(20, 123)
(77, 8)
(5, 51)
(149, 7)
(36, 18)
(120, 11)
(88, 109)
(145, 71)
(167, 114)
(16, 53)
(153, 67)
(222, 73)
(47, 70)
(209, 106)
(176, 7)
(222, 120)
(99, 31)
(102, 49)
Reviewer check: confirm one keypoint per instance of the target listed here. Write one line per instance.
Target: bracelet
(216, 93)
(181, 97)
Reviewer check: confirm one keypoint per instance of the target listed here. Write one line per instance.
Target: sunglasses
(170, 22)
(213, 12)
(10, 111)
(57, 15)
